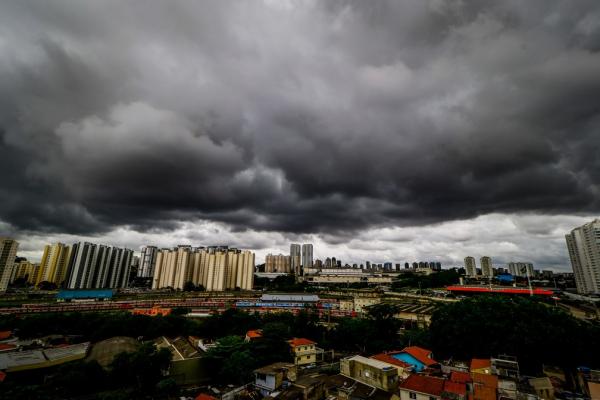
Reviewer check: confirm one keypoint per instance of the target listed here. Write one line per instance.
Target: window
(412, 395)
(432, 398)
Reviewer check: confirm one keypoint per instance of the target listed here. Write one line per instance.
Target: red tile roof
(421, 354)
(386, 358)
(254, 334)
(5, 334)
(295, 342)
(204, 396)
(455, 387)
(460, 377)
(478, 363)
(7, 346)
(423, 384)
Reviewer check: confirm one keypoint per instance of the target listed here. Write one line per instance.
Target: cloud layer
(296, 117)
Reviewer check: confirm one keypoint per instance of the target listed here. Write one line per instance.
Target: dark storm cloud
(296, 116)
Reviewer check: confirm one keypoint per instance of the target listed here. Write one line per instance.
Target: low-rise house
(485, 387)
(341, 387)
(372, 372)
(505, 366)
(481, 366)
(421, 387)
(417, 357)
(270, 378)
(543, 388)
(187, 367)
(303, 350)
(404, 368)
(253, 335)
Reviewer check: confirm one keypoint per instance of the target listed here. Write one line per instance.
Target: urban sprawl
(95, 321)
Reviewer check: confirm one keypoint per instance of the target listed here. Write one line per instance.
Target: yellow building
(54, 264)
(303, 350)
(27, 270)
(8, 252)
(372, 372)
(278, 263)
(216, 269)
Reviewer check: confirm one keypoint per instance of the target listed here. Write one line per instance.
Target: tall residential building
(147, 261)
(8, 252)
(521, 269)
(277, 263)
(307, 255)
(486, 267)
(470, 266)
(216, 269)
(296, 258)
(98, 266)
(584, 251)
(53, 267)
(26, 270)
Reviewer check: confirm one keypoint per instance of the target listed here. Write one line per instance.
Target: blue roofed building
(92, 294)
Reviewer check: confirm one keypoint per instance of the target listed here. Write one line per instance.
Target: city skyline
(397, 131)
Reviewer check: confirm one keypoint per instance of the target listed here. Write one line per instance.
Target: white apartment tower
(296, 258)
(487, 270)
(307, 255)
(583, 244)
(470, 267)
(147, 261)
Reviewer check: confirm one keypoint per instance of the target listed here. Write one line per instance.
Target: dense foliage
(531, 330)
(437, 280)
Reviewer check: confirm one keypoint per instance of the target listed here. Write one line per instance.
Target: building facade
(470, 266)
(94, 266)
(307, 255)
(147, 261)
(487, 270)
(216, 269)
(296, 258)
(277, 263)
(8, 253)
(521, 269)
(583, 244)
(54, 264)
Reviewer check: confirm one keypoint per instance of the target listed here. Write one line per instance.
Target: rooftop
(478, 363)
(460, 377)
(290, 297)
(386, 358)
(372, 362)
(274, 368)
(295, 342)
(423, 384)
(421, 354)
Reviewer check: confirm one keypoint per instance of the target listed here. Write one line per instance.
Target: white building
(470, 267)
(583, 244)
(487, 269)
(521, 269)
(296, 258)
(147, 261)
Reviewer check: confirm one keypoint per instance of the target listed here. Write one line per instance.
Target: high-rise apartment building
(277, 263)
(583, 244)
(26, 270)
(486, 267)
(98, 266)
(296, 258)
(147, 261)
(521, 269)
(8, 253)
(216, 269)
(54, 264)
(307, 255)
(470, 266)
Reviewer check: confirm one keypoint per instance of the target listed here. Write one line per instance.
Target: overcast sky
(377, 130)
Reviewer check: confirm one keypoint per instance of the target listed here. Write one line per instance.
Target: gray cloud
(296, 117)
